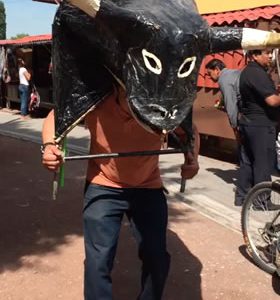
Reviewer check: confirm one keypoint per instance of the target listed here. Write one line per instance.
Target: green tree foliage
(2, 21)
(19, 36)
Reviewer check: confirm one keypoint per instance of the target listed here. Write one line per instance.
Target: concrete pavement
(210, 192)
(41, 244)
(42, 253)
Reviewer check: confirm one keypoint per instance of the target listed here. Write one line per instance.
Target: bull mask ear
(223, 39)
(90, 7)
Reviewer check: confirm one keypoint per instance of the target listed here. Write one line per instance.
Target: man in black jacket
(260, 113)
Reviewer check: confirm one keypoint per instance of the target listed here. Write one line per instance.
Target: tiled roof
(227, 18)
(32, 40)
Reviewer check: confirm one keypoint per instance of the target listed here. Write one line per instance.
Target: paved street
(41, 245)
(211, 192)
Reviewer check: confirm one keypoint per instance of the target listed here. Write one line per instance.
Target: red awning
(227, 18)
(28, 40)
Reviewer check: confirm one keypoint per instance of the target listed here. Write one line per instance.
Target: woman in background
(24, 78)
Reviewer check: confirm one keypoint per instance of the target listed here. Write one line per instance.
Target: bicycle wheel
(260, 221)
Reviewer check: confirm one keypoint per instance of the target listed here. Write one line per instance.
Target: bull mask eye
(152, 62)
(186, 67)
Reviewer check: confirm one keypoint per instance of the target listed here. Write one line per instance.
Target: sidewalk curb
(209, 208)
(26, 137)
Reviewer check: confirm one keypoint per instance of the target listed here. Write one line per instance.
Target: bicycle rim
(261, 225)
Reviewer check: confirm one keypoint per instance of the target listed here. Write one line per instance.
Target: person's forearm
(27, 75)
(183, 137)
(196, 146)
(48, 131)
(190, 166)
(273, 100)
(196, 142)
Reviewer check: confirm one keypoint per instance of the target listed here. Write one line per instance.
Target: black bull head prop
(153, 48)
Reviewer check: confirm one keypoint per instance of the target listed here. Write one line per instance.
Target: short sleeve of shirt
(262, 83)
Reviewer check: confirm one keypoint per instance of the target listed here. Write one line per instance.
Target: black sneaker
(238, 203)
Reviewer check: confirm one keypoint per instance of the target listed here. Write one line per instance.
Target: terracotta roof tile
(227, 18)
(34, 39)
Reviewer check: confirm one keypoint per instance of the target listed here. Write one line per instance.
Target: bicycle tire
(255, 250)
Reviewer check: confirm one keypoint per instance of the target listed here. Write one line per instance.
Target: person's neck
(262, 66)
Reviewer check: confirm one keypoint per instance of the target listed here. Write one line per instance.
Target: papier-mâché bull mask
(153, 48)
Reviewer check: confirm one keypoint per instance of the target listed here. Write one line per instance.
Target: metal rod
(183, 185)
(55, 186)
(123, 154)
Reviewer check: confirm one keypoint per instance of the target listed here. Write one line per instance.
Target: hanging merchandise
(34, 102)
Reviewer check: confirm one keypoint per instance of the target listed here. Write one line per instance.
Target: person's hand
(190, 168)
(52, 158)
(237, 135)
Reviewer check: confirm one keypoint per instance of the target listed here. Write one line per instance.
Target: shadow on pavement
(276, 283)
(243, 250)
(33, 224)
(184, 280)
(275, 279)
(229, 176)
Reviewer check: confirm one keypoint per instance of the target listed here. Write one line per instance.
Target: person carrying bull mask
(118, 186)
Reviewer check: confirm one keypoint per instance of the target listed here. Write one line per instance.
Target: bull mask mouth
(155, 118)
(143, 123)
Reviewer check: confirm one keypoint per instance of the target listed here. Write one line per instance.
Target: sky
(27, 16)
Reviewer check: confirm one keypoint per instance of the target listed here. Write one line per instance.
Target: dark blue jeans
(104, 208)
(258, 157)
(241, 187)
(24, 99)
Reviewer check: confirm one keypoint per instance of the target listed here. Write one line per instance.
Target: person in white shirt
(24, 78)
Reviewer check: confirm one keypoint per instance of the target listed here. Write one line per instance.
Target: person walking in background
(259, 114)
(24, 78)
(228, 81)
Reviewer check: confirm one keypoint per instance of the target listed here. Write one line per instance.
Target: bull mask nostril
(159, 111)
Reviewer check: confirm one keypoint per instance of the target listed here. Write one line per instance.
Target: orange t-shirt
(114, 129)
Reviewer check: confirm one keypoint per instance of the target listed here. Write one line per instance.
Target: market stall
(36, 52)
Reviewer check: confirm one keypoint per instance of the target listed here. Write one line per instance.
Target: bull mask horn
(225, 38)
(90, 7)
